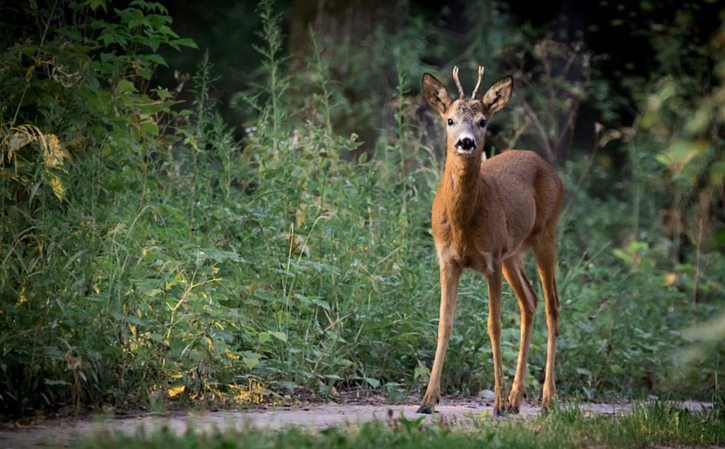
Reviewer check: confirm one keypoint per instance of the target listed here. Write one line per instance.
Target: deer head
(466, 118)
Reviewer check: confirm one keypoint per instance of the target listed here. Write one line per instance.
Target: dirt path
(459, 413)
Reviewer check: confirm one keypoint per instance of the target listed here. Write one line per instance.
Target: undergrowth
(147, 255)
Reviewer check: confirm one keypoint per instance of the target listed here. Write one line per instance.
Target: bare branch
(542, 131)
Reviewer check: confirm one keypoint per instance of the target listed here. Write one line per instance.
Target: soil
(64, 432)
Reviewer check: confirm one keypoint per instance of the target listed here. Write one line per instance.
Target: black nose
(466, 144)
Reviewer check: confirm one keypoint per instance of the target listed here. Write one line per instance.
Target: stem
(27, 81)
(401, 135)
(637, 193)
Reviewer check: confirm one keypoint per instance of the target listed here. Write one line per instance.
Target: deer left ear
(435, 93)
(498, 95)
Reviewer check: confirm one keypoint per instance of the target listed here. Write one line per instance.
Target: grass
(646, 426)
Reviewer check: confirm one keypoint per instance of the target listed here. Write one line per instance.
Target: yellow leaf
(231, 355)
(670, 278)
(54, 152)
(57, 187)
(175, 390)
(18, 140)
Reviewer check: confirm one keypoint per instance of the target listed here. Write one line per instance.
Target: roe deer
(486, 213)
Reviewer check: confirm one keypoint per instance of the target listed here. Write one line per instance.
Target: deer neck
(463, 189)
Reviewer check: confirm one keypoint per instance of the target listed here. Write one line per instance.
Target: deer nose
(466, 144)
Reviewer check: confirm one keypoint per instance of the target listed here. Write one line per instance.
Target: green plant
(78, 144)
(658, 424)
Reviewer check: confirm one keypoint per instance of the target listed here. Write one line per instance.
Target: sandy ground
(64, 432)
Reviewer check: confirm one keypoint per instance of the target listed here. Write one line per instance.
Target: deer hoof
(425, 410)
(513, 410)
(499, 412)
(547, 406)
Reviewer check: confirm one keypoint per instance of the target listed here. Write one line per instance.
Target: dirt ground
(64, 432)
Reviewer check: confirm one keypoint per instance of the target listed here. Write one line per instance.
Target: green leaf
(150, 128)
(95, 4)
(322, 304)
(250, 362)
(717, 173)
(372, 382)
(163, 93)
(221, 256)
(281, 336)
(125, 86)
(167, 31)
(421, 372)
(158, 59)
(264, 337)
(145, 72)
(183, 42)
(54, 382)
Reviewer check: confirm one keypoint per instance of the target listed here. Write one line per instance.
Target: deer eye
(450, 122)
(482, 122)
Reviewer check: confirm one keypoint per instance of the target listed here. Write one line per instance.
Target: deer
(486, 214)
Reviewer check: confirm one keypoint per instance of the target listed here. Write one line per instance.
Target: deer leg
(545, 253)
(514, 273)
(494, 333)
(450, 274)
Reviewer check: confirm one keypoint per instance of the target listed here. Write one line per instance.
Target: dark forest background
(228, 202)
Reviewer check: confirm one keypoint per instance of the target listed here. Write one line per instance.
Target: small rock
(486, 395)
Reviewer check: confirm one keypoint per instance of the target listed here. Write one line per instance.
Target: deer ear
(499, 94)
(435, 93)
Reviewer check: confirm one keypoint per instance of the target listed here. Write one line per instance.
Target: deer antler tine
(458, 82)
(478, 83)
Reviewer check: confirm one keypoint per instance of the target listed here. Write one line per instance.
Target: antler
(458, 82)
(478, 83)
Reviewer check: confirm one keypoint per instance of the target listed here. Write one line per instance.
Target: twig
(27, 81)
(540, 129)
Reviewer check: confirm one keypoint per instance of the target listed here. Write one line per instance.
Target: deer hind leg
(514, 273)
(545, 253)
(450, 275)
(494, 333)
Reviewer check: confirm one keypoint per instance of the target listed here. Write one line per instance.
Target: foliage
(147, 256)
(80, 131)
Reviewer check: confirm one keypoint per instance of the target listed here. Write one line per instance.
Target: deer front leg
(494, 333)
(450, 274)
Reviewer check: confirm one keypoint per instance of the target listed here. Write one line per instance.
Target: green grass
(659, 424)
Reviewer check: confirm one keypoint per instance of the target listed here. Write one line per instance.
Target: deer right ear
(498, 95)
(435, 93)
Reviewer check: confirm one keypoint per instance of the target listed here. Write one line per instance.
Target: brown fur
(486, 214)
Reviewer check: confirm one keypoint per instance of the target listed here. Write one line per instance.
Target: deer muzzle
(465, 144)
